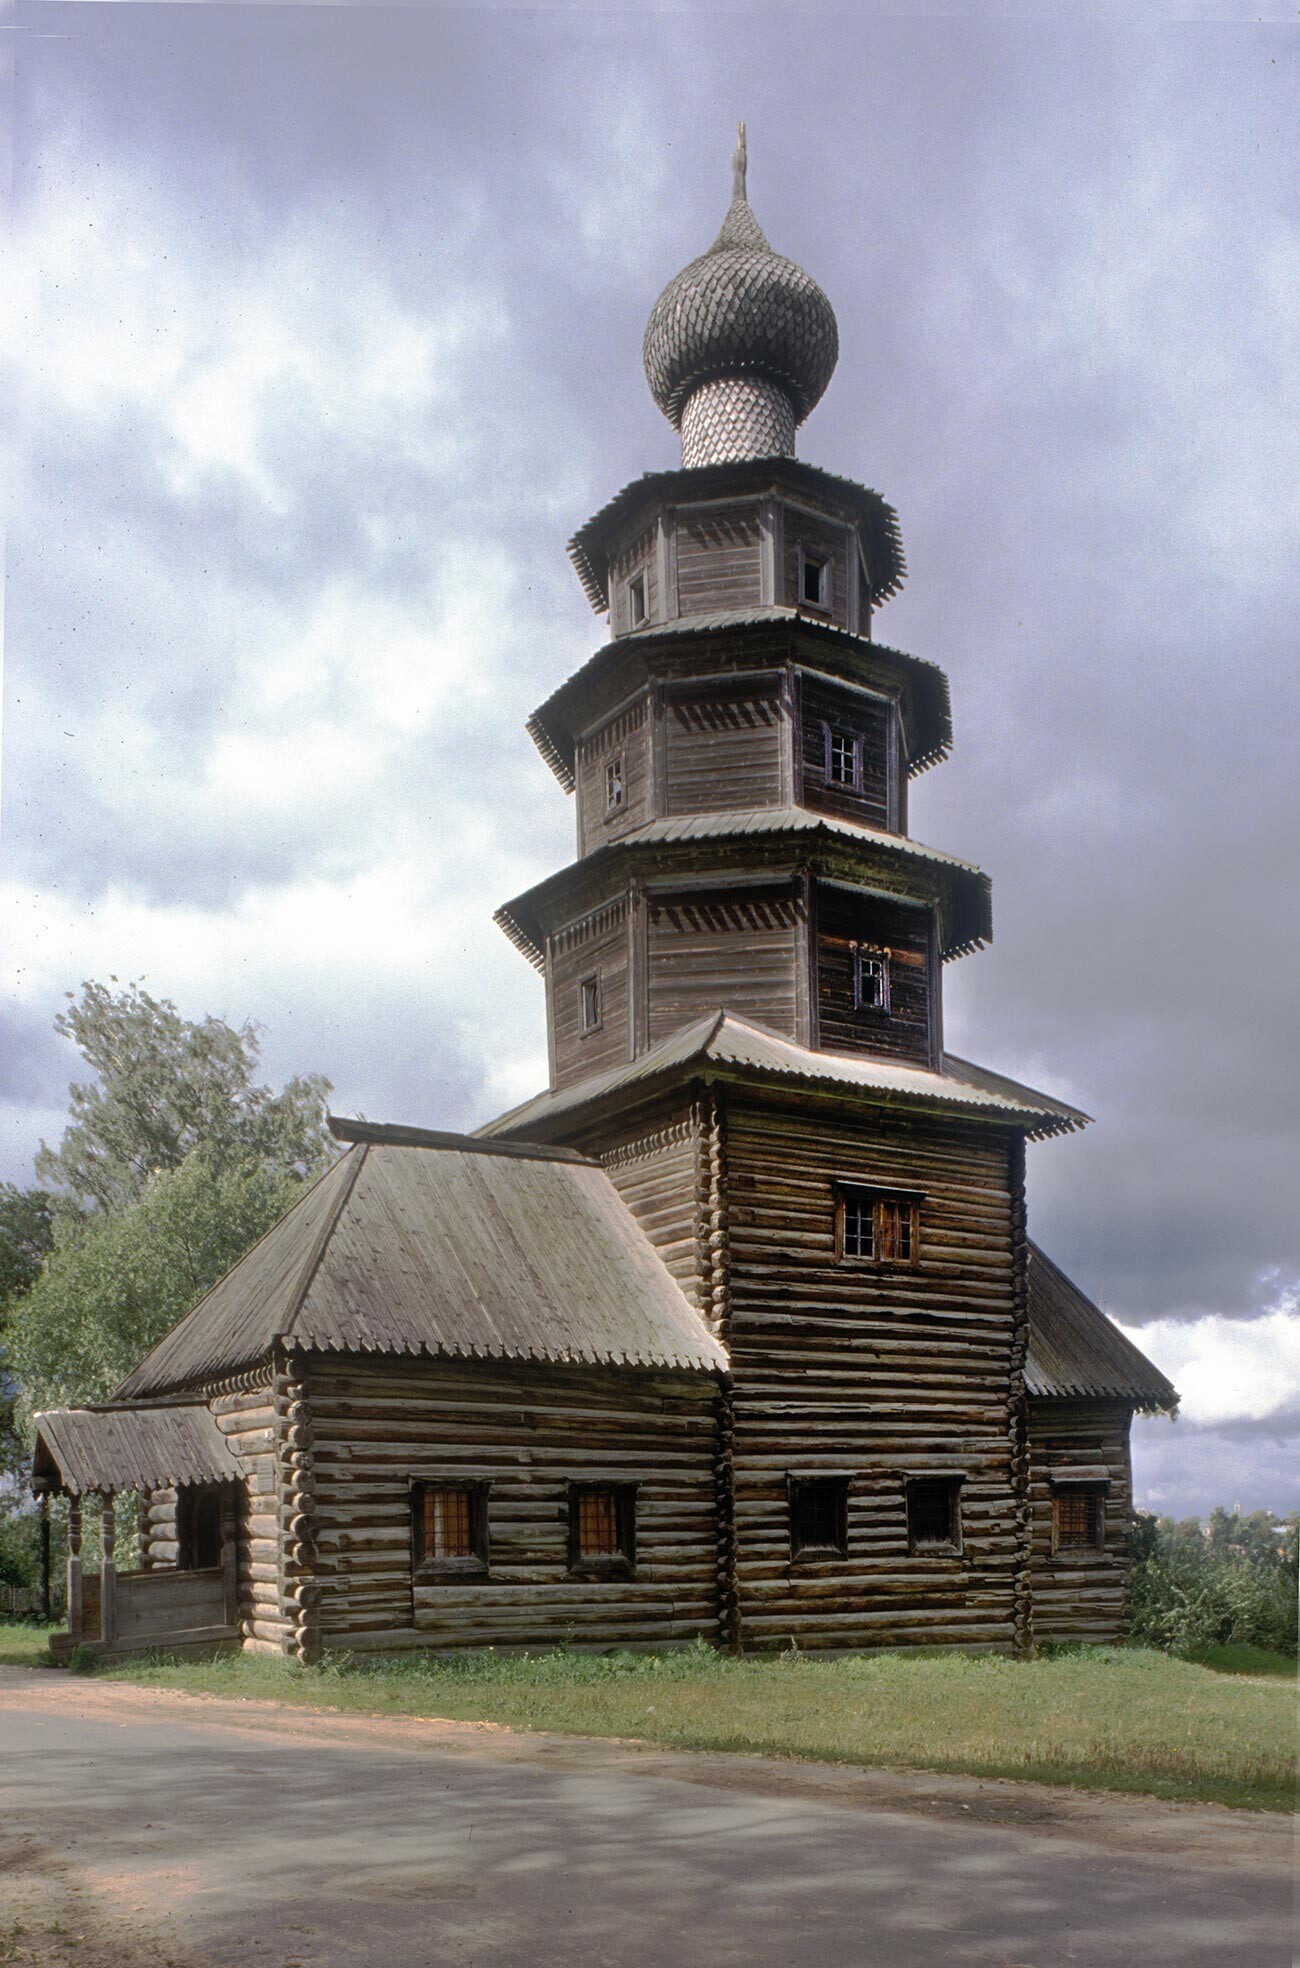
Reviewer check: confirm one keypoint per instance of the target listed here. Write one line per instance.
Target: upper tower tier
(741, 345)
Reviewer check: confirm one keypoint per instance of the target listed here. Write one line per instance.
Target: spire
(739, 165)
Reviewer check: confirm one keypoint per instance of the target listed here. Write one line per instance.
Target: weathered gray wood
(107, 1570)
(76, 1583)
(1082, 1594)
(530, 1432)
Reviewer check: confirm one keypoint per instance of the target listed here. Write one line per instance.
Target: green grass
(1098, 1717)
(23, 1644)
(1243, 1659)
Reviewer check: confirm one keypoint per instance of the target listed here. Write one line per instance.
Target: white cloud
(1230, 1369)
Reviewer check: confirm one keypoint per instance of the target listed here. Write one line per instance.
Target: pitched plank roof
(79, 1450)
(443, 1244)
(721, 1041)
(1076, 1351)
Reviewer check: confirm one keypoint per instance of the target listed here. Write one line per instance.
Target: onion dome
(741, 345)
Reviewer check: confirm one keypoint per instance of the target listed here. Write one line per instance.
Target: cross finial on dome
(739, 165)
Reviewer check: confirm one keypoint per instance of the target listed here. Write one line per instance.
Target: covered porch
(189, 1600)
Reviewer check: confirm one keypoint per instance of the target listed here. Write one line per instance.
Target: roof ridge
(314, 1257)
(396, 1134)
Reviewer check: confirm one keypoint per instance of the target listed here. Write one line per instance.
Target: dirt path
(163, 1827)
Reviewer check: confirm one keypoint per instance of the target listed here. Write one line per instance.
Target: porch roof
(116, 1447)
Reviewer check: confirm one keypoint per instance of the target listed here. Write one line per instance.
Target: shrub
(1230, 1582)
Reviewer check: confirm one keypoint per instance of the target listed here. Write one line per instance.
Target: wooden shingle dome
(740, 345)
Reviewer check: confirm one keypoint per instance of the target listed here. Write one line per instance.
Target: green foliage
(26, 1237)
(20, 1547)
(174, 1161)
(115, 1284)
(164, 1087)
(1231, 1583)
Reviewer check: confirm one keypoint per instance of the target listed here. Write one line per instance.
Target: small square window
(870, 1223)
(615, 791)
(636, 607)
(934, 1514)
(1078, 1519)
(842, 759)
(602, 1527)
(589, 1002)
(815, 582)
(449, 1527)
(870, 978)
(819, 1515)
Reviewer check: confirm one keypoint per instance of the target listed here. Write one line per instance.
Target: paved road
(210, 1834)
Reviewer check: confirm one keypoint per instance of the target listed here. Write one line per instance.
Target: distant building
(735, 1330)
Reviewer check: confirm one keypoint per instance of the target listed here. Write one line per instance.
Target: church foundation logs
(525, 1435)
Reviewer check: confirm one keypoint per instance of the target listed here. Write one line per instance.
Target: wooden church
(735, 1330)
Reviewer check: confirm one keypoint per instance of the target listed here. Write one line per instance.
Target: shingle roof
(1075, 1350)
(721, 1041)
(550, 726)
(588, 547)
(966, 912)
(740, 309)
(119, 1448)
(441, 1244)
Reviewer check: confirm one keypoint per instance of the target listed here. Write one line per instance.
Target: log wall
(870, 1372)
(159, 1544)
(1080, 1595)
(739, 949)
(378, 1424)
(719, 558)
(822, 539)
(723, 749)
(637, 559)
(626, 737)
(904, 930)
(823, 709)
(653, 1169)
(247, 1420)
(597, 945)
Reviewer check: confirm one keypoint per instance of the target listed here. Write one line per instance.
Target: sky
(322, 334)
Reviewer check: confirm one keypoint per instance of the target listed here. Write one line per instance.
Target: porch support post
(108, 1570)
(74, 1567)
(230, 1554)
(45, 1556)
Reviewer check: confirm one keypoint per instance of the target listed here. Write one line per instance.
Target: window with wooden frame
(589, 1008)
(814, 580)
(881, 1226)
(934, 1515)
(819, 1517)
(602, 1527)
(449, 1529)
(870, 978)
(615, 786)
(1079, 1517)
(842, 752)
(636, 601)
